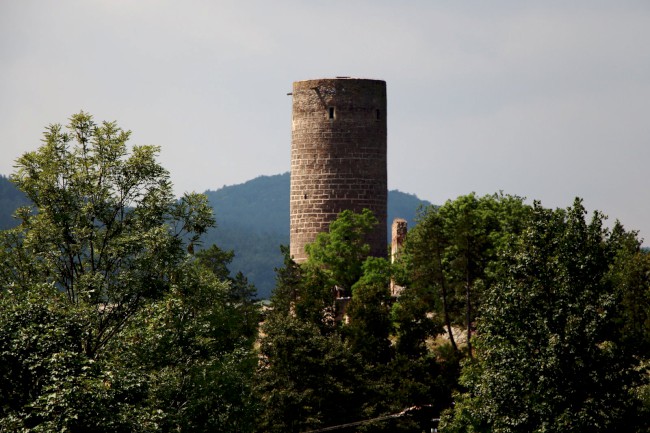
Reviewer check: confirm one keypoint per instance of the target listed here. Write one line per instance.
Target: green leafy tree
(310, 375)
(216, 260)
(369, 324)
(358, 353)
(47, 381)
(306, 380)
(107, 323)
(630, 274)
(304, 291)
(195, 349)
(424, 257)
(449, 253)
(241, 294)
(341, 251)
(288, 280)
(104, 226)
(550, 355)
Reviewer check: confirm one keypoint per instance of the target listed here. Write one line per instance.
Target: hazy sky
(541, 99)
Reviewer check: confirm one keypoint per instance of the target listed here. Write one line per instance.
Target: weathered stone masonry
(338, 157)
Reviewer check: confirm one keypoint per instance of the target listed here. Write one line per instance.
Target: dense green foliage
(559, 307)
(551, 353)
(340, 252)
(116, 316)
(354, 363)
(449, 253)
(107, 324)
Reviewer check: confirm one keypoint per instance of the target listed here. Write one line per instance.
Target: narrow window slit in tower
(331, 112)
(378, 114)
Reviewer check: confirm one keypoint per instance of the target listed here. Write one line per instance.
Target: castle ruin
(338, 157)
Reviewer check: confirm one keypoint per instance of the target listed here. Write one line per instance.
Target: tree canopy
(115, 318)
(104, 313)
(550, 354)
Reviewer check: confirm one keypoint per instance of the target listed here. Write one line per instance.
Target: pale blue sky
(540, 99)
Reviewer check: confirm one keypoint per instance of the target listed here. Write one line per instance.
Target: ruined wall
(399, 230)
(338, 157)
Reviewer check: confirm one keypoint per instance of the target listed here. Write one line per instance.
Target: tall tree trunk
(468, 292)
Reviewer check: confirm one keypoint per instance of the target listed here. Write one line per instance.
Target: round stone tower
(338, 157)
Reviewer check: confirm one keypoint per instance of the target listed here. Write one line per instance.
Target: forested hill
(10, 199)
(252, 220)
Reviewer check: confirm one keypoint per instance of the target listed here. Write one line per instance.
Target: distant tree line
(11, 198)
(115, 317)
